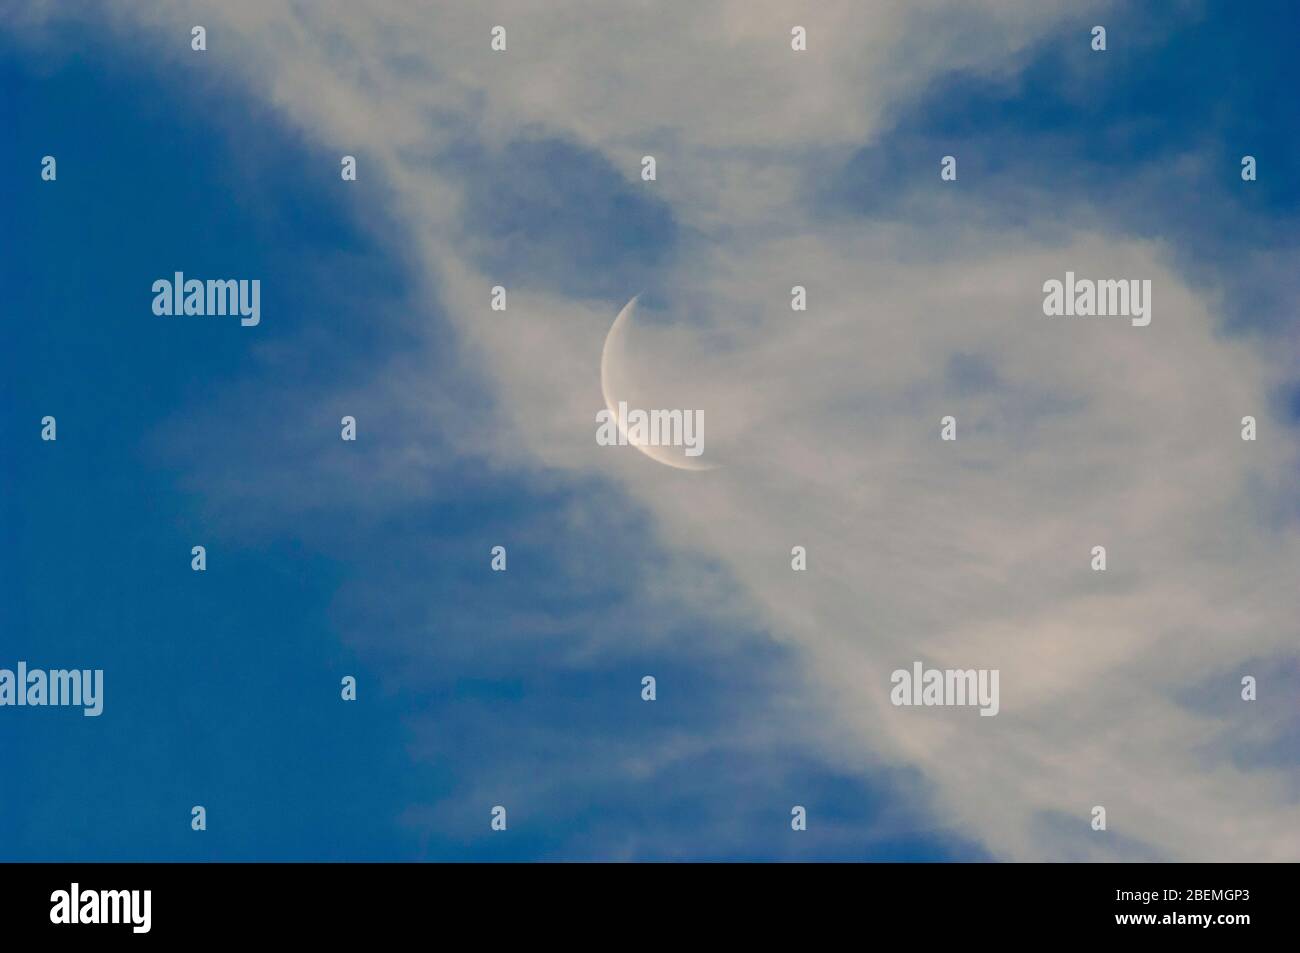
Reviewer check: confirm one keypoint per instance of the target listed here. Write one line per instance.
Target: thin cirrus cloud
(970, 555)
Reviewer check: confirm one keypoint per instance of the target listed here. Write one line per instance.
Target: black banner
(980, 902)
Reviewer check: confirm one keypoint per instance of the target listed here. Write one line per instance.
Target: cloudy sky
(476, 429)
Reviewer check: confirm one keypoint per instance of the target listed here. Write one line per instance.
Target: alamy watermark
(63, 687)
(946, 687)
(74, 906)
(1083, 297)
(214, 296)
(651, 428)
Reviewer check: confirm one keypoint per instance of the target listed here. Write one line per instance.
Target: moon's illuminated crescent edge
(608, 356)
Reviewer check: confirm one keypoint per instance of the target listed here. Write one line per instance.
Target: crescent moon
(611, 358)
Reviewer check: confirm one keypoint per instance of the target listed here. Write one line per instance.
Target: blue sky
(1167, 113)
(327, 559)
